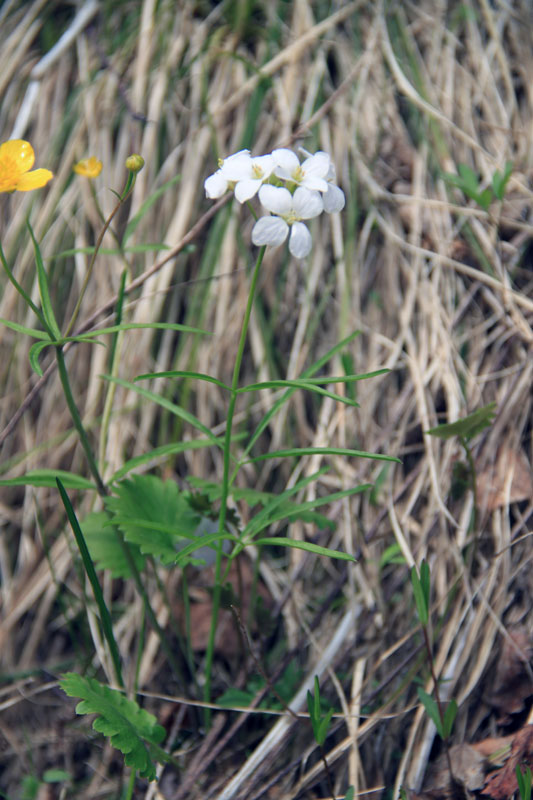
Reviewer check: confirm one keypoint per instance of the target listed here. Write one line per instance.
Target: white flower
(312, 174)
(247, 173)
(289, 210)
(232, 169)
(334, 199)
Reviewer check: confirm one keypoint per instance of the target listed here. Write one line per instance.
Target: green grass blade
(133, 326)
(105, 616)
(20, 290)
(297, 384)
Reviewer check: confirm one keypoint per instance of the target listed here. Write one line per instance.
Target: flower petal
(317, 165)
(88, 167)
(237, 166)
(34, 180)
(334, 199)
(263, 164)
(270, 230)
(307, 204)
(300, 242)
(246, 189)
(286, 159)
(275, 199)
(215, 185)
(18, 153)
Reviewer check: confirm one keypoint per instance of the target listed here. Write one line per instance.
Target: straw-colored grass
(399, 94)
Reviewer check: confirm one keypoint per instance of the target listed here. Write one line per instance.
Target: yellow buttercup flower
(88, 167)
(16, 161)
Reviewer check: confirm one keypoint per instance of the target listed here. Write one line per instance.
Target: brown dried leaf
(493, 484)
(512, 682)
(502, 784)
(469, 768)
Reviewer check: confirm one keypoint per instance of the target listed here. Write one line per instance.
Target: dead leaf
(469, 769)
(502, 784)
(512, 681)
(507, 479)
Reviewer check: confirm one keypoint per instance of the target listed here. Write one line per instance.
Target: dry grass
(398, 93)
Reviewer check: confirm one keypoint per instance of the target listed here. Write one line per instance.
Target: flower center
(298, 174)
(257, 172)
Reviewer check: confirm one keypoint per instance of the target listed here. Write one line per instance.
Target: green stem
(131, 784)
(127, 191)
(226, 483)
(76, 419)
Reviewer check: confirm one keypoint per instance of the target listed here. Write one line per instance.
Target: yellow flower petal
(88, 167)
(16, 159)
(33, 180)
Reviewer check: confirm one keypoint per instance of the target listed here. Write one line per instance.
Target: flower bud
(135, 162)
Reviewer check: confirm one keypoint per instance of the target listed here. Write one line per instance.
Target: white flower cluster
(308, 191)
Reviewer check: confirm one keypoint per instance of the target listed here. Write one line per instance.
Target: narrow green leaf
(44, 292)
(308, 373)
(449, 718)
(331, 451)
(323, 727)
(420, 600)
(133, 326)
(47, 477)
(425, 582)
(161, 452)
(432, 710)
(468, 426)
(23, 329)
(184, 374)
(297, 384)
(350, 793)
(164, 403)
(105, 616)
(27, 299)
(484, 199)
(469, 177)
(282, 541)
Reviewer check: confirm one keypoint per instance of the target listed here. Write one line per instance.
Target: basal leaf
(130, 729)
(105, 549)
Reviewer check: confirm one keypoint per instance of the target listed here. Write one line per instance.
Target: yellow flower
(16, 161)
(88, 167)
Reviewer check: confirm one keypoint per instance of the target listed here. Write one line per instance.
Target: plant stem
(437, 698)
(76, 419)
(226, 482)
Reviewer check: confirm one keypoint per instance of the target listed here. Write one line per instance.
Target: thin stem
(125, 194)
(226, 483)
(76, 419)
(437, 698)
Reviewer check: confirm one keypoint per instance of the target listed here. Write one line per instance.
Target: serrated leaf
(47, 477)
(130, 728)
(105, 549)
(42, 280)
(468, 426)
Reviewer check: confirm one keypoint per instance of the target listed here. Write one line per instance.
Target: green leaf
(23, 329)
(56, 776)
(42, 279)
(105, 548)
(467, 427)
(282, 541)
(134, 326)
(449, 718)
(37, 348)
(469, 177)
(161, 452)
(47, 477)
(432, 710)
(331, 451)
(420, 597)
(298, 384)
(391, 555)
(130, 729)
(523, 780)
(425, 581)
(484, 199)
(184, 374)
(319, 723)
(350, 793)
(105, 616)
(501, 179)
(164, 403)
